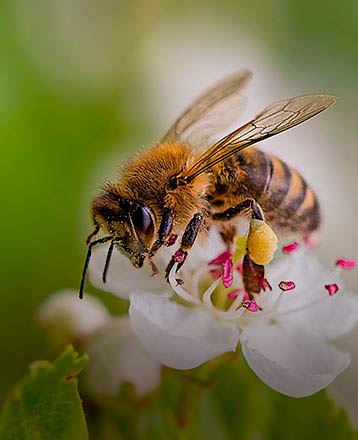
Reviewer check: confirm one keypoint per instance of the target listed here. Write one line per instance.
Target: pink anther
(172, 239)
(288, 249)
(345, 264)
(251, 306)
(332, 289)
(233, 294)
(228, 273)
(220, 259)
(286, 285)
(179, 256)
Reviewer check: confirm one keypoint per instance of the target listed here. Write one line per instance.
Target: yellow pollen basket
(261, 242)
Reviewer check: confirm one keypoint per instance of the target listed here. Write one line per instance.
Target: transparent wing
(212, 113)
(276, 118)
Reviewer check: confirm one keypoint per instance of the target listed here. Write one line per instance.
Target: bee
(187, 183)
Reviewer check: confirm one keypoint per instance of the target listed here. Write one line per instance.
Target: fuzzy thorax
(146, 177)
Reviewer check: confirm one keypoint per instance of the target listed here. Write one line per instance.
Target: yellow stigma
(261, 242)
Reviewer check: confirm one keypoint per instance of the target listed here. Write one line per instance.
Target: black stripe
(255, 167)
(311, 216)
(217, 203)
(295, 203)
(284, 186)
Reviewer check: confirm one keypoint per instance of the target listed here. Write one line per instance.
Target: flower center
(225, 295)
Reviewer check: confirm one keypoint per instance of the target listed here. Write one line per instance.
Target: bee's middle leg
(187, 241)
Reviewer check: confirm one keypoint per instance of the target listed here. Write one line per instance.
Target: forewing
(213, 112)
(274, 119)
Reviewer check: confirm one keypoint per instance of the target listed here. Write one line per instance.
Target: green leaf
(46, 403)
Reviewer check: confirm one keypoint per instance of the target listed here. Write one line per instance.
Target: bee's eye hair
(143, 220)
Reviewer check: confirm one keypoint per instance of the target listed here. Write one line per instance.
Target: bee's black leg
(187, 241)
(252, 273)
(164, 231)
(230, 213)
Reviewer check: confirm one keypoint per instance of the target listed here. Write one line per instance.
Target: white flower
(283, 335)
(115, 353)
(116, 356)
(67, 320)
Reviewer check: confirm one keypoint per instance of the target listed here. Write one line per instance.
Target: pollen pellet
(261, 242)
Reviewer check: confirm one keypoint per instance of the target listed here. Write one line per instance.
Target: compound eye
(143, 221)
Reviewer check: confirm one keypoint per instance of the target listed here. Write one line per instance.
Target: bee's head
(130, 223)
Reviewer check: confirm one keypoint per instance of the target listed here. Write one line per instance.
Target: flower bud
(69, 320)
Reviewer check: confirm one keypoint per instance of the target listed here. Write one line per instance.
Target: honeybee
(186, 183)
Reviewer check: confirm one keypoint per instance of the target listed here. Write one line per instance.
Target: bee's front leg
(187, 241)
(164, 231)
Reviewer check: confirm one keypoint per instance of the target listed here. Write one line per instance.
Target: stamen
(332, 289)
(208, 292)
(237, 302)
(195, 283)
(345, 264)
(264, 284)
(228, 276)
(233, 294)
(334, 275)
(251, 306)
(179, 290)
(215, 273)
(179, 256)
(286, 285)
(288, 249)
(172, 239)
(220, 259)
(230, 316)
(223, 267)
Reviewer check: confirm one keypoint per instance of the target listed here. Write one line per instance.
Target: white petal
(330, 318)
(122, 277)
(305, 270)
(66, 317)
(309, 305)
(289, 360)
(179, 336)
(116, 356)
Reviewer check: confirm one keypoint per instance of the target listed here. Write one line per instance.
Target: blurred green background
(85, 83)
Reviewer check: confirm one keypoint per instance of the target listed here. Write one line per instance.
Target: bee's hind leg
(252, 276)
(187, 241)
(230, 213)
(261, 244)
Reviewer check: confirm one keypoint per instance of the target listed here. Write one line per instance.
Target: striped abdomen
(289, 203)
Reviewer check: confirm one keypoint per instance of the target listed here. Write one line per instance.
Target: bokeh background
(84, 84)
